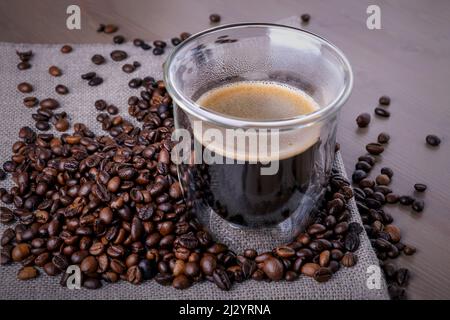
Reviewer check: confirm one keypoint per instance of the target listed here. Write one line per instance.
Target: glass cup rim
(204, 114)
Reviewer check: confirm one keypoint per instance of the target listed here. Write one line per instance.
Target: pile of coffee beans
(112, 204)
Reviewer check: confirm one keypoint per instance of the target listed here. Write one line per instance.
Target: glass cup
(230, 186)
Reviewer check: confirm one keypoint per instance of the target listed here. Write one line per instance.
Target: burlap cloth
(347, 283)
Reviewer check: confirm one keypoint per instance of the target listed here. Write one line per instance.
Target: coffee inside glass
(256, 79)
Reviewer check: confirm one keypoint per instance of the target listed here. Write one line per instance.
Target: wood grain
(408, 59)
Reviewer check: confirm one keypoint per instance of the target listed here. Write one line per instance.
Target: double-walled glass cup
(275, 187)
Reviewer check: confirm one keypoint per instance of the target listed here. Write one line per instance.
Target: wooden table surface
(408, 59)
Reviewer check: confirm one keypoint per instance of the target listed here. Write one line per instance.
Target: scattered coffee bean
(135, 83)
(55, 71)
(23, 65)
(88, 76)
(420, 187)
(159, 44)
(349, 259)
(158, 51)
(406, 200)
(95, 81)
(383, 138)
(175, 41)
(409, 250)
(305, 17)
(382, 112)
(214, 18)
(383, 179)
(25, 87)
(119, 39)
(138, 42)
(30, 102)
(387, 171)
(433, 140)
(110, 28)
(27, 273)
(374, 148)
(118, 55)
(418, 205)
(66, 49)
(62, 124)
(98, 59)
(363, 120)
(61, 89)
(384, 100)
(113, 110)
(145, 46)
(128, 68)
(184, 35)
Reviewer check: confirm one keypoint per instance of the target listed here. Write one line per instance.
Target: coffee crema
(238, 192)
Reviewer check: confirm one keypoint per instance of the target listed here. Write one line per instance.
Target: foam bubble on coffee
(260, 101)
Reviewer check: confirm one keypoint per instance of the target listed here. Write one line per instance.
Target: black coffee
(239, 192)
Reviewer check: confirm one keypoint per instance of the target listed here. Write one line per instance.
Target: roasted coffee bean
(92, 283)
(158, 51)
(383, 138)
(362, 165)
(309, 269)
(406, 200)
(134, 275)
(349, 259)
(88, 76)
(382, 112)
(431, 139)
(110, 28)
(62, 124)
(418, 205)
(374, 148)
(95, 81)
(23, 65)
(89, 264)
(175, 41)
(61, 89)
(20, 252)
(98, 59)
(351, 242)
(27, 273)
(135, 83)
(55, 71)
(25, 87)
(118, 39)
(214, 18)
(384, 100)
(30, 102)
(159, 44)
(420, 187)
(393, 231)
(184, 35)
(6, 215)
(51, 269)
(112, 109)
(273, 268)
(392, 198)
(180, 282)
(316, 228)
(383, 179)
(128, 68)
(118, 55)
(323, 274)
(409, 250)
(387, 171)
(358, 175)
(66, 49)
(60, 262)
(363, 120)
(305, 18)
(138, 42)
